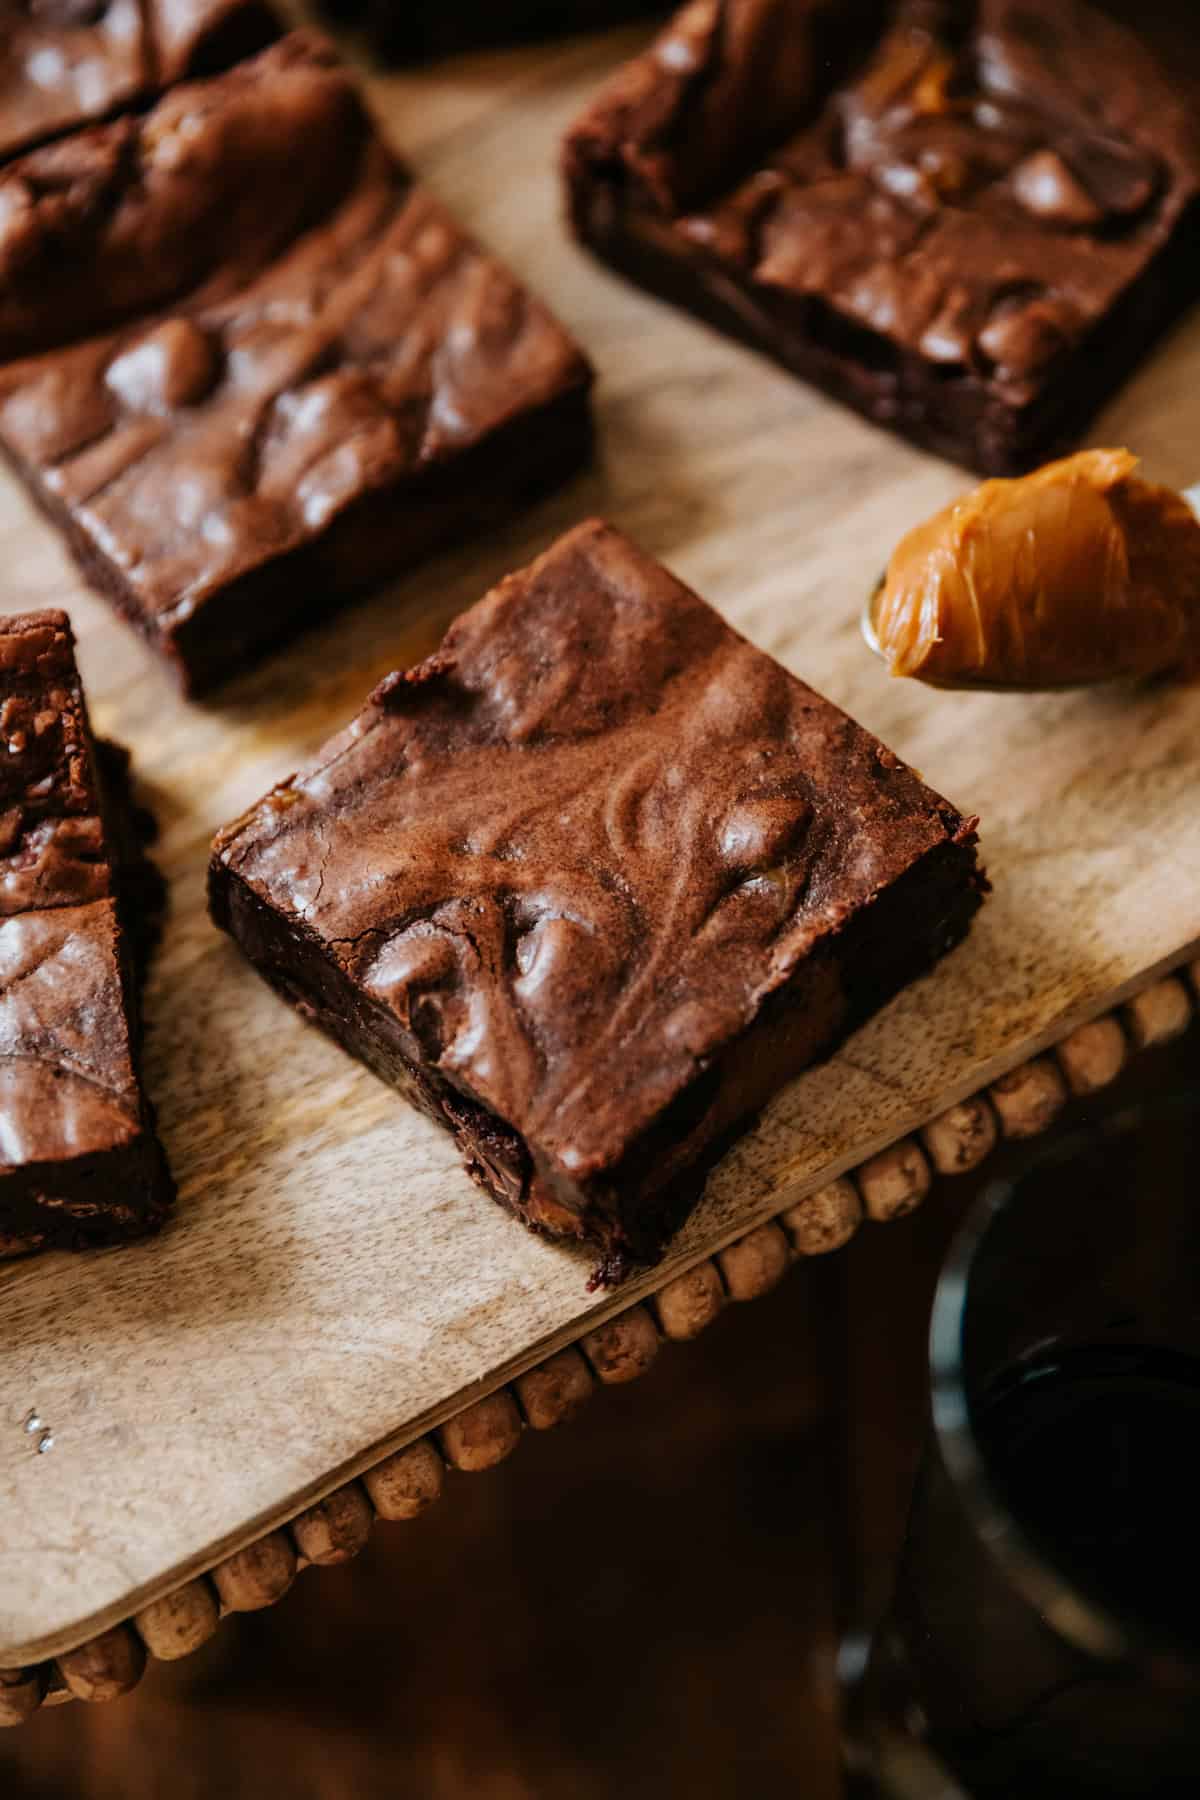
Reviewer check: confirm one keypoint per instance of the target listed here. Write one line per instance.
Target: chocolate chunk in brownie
(591, 883)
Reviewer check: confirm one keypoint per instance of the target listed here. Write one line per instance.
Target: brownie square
(591, 883)
(67, 63)
(967, 220)
(407, 31)
(257, 367)
(79, 1161)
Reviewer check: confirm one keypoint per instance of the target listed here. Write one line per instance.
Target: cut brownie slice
(405, 30)
(309, 375)
(53, 845)
(79, 1160)
(591, 883)
(966, 218)
(67, 63)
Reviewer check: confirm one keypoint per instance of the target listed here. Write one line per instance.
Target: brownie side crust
(593, 882)
(311, 375)
(967, 221)
(69, 63)
(79, 1160)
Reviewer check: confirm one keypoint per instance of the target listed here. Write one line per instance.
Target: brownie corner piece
(591, 883)
(80, 1163)
(966, 221)
(250, 378)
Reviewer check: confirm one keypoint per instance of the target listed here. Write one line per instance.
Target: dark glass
(1044, 1637)
(1084, 1446)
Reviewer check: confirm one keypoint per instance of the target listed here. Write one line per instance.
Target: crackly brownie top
(574, 851)
(67, 1085)
(339, 329)
(65, 62)
(52, 844)
(975, 180)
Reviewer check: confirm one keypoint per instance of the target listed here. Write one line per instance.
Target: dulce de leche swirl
(1077, 573)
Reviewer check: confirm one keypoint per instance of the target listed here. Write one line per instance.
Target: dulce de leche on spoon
(1081, 572)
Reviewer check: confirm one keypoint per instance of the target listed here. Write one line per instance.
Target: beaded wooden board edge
(401, 1487)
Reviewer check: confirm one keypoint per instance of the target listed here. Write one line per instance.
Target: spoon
(869, 623)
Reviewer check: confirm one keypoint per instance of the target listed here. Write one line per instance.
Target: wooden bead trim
(336, 1528)
(107, 1667)
(1093, 1055)
(960, 1138)
(1158, 1014)
(404, 1484)
(895, 1182)
(1018, 1105)
(824, 1221)
(21, 1693)
(689, 1303)
(623, 1348)
(180, 1622)
(257, 1576)
(1029, 1099)
(756, 1263)
(555, 1391)
(483, 1435)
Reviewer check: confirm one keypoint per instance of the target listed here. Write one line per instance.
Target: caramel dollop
(1077, 573)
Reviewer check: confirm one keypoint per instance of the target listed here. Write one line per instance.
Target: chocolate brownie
(66, 63)
(79, 1160)
(406, 30)
(258, 368)
(966, 218)
(591, 883)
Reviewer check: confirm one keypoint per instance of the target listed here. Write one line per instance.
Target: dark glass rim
(1077, 1615)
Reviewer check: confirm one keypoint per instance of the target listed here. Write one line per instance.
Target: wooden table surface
(333, 1283)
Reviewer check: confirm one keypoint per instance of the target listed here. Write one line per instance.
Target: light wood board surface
(333, 1283)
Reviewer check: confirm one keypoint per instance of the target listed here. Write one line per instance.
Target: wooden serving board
(333, 1284)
